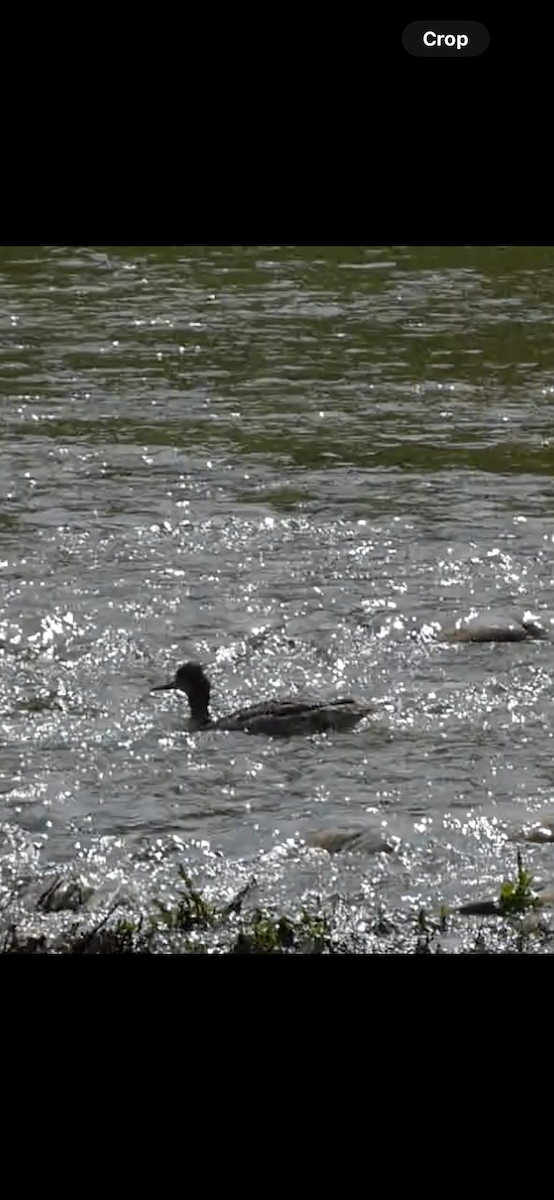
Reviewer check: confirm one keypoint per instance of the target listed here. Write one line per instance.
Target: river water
(281, 461)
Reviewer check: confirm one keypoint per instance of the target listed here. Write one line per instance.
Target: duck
(281, 718)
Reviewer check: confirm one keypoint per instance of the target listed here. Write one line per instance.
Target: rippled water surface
(283, 462)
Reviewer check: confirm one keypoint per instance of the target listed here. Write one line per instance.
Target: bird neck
(199, 710)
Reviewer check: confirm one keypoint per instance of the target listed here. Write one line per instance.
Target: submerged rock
(511, 631)
(361, 841)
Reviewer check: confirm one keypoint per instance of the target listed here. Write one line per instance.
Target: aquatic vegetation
(518, 896)
(193, 923)
(306, 934)
(190, 911)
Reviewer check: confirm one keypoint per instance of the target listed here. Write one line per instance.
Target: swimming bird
(518, 632)
(277, 717)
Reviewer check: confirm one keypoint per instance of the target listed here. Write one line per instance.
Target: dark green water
(279, 461)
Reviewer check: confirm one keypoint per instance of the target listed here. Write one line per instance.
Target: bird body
(275, 717)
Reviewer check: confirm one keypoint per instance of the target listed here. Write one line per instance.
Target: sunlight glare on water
(294, 465)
